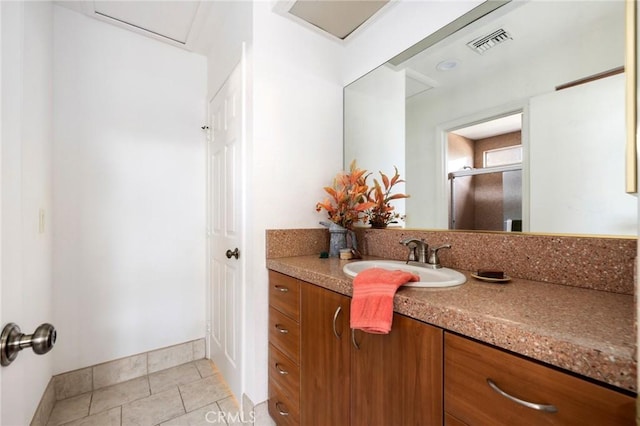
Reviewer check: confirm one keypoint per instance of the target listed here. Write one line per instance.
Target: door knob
(13, 341)
(235, 253)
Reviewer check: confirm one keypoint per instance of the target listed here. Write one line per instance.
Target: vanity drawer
(469, 397)
(285, 373)
(284, 333)
(284, 294)
(282, 409)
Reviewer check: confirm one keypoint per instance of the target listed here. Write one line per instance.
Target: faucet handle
(433, 255)
(411, 245)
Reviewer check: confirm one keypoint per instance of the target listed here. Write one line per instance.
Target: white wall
(230, 25)
(26, 188)
(129, 185)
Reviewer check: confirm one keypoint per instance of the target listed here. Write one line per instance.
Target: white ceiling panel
(170, 19)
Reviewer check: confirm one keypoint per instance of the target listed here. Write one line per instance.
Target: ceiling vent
(484, 43)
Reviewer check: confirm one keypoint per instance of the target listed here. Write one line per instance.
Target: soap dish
(491, 280)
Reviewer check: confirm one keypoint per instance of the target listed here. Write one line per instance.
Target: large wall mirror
(512, 118)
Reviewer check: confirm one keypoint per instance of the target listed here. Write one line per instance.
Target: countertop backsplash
(598, 263)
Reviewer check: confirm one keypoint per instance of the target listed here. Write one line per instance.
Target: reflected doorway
(484, 170)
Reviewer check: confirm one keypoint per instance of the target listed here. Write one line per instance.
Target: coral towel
(372, 303)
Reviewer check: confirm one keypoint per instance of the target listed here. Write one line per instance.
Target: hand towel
(372, 302)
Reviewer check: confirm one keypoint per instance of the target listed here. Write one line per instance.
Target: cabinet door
(396, 378)
(325, 357)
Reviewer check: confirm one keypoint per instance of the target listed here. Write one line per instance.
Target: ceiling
(567, 30)
(188, 24)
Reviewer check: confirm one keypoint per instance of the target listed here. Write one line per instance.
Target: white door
(226, 131)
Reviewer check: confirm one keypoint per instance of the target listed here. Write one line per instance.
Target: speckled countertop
(586, 331)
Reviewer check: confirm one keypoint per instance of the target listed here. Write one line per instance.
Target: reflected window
(503, 156)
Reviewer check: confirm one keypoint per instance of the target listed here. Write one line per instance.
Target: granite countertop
(586, 331)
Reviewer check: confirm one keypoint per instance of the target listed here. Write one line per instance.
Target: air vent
(484, 43)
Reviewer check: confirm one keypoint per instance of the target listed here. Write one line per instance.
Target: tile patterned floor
(191, 394)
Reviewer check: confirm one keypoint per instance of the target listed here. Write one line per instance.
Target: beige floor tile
(180, 375)
(106, 418)
(48, 401)
(229, 407)
(205, 416)
(119, 394)
(153, 409)
(262, 417)
(203, 392)
(205, 367)
(70, 409)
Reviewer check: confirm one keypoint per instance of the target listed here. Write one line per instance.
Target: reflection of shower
(497, 198)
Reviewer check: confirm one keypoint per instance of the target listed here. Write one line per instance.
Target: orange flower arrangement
(349, 199)
(382, 212)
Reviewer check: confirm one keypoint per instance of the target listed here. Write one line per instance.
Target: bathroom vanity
(321, 372)
(566, 348)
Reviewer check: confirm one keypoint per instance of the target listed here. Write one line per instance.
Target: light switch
(41, 221)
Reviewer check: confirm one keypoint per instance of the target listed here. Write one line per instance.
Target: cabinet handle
(281, 288)
(281, 329)
(539, 407)
(335, 318)
(280, 410)
(353, 339)
(281, 370)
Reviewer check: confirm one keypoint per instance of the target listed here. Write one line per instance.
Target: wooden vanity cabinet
(470, 399)
(284, 349)
(320, 373)
(396, 378)
(393, 379)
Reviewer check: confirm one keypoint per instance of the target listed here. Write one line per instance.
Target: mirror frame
(631, 97)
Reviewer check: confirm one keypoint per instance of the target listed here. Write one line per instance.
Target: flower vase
(338, 238)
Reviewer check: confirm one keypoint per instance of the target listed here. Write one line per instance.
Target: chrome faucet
(418, 250)
(421, 255)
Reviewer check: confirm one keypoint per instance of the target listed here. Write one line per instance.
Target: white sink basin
(433, 278)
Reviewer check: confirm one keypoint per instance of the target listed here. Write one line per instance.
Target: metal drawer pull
(335, 318)
(281, 288)
(353, 339)
(539, 407)
(281, 370)
(281, 329)
(280, 410)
